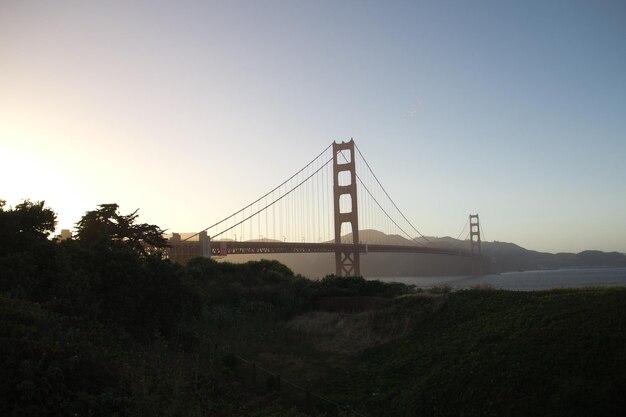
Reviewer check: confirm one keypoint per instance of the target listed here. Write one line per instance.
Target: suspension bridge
(334, 204)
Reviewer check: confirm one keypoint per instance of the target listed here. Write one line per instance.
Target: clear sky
(515, 110)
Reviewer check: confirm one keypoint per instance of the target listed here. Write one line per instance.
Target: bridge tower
(347, 260)
(474, 234)
(477, 260)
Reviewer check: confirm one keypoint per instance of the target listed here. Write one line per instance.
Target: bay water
(523, 281)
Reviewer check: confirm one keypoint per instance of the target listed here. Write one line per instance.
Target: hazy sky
(189, 110)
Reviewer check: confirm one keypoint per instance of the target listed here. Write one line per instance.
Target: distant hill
(502, 256)
(511, 257)
(375, 236)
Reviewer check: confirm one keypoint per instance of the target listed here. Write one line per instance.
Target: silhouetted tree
(27, 256)
(26, 223)
(106, 224)
(27, 217)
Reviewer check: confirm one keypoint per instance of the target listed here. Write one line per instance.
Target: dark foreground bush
(104, 326)
(333, 285)
(53, 365)
(257, 286)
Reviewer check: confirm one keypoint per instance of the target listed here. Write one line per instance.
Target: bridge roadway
(228, 247)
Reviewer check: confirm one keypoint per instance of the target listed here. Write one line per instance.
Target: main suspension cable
(462, 230)
(278, 199)
(389, 197)
(260, 198)
(377, 203)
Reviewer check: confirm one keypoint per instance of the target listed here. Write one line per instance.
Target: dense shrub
(246, 287)
(333, 285)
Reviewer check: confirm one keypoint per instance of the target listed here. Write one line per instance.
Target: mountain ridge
(500, 257)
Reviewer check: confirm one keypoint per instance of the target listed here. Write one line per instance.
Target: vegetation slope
(495, 353)
(103, 325)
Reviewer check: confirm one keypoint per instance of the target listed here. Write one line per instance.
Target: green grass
(477, 352)
(495, 353)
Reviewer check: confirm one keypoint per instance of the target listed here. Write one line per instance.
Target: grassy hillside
(103, 325)
(475, 352)
(553, 353)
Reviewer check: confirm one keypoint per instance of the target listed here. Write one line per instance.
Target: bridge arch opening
(344, 178)
(346, 229)
(345, 203)
(344, 157)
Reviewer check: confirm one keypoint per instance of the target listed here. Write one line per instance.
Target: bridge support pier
(347, 261)
(205, 244)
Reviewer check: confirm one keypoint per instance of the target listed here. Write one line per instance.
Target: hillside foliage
(104, 324)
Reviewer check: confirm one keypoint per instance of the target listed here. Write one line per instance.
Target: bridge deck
(182, 251)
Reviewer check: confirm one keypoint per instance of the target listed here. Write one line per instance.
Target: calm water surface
(525, 281)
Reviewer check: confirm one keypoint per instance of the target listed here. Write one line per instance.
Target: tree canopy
(27, 217)
(107, 224)
(24, 224)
